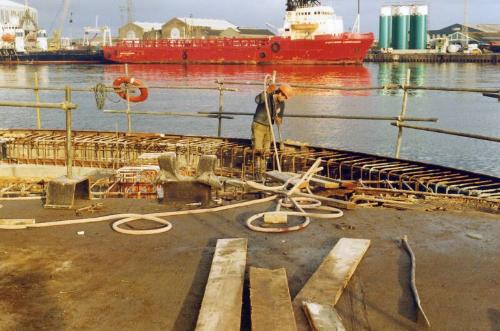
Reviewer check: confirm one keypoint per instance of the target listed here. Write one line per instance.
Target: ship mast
(291, 5)
(356, 28)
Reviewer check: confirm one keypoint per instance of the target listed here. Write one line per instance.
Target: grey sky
(249, 13)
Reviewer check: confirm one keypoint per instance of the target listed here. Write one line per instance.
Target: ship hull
(55, 57)
(339, 49)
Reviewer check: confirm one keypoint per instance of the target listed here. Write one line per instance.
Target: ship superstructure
(311, 34)
(307, 19)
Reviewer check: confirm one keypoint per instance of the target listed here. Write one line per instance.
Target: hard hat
(287, 90)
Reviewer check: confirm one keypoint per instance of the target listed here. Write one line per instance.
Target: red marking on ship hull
(346, 48)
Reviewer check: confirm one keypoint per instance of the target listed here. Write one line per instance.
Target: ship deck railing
(237, 158)
(182, 43)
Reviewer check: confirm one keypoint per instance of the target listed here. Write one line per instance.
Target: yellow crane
(55, 42)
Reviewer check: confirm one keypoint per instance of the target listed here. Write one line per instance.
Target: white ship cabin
(12, 37)
(309, 21)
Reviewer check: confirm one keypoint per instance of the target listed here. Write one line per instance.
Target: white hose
(125, 218)
(299, 203)
(294, 200)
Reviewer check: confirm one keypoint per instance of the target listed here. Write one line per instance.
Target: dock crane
(55, 43)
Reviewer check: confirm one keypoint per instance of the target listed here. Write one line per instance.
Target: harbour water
(465, 112)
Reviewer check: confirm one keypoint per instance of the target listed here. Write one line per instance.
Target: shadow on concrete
(192, 303)
(494, 317)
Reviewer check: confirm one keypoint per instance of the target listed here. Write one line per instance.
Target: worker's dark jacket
(275, 108)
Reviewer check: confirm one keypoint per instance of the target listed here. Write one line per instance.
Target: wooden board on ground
(328, 282)
(221, 305)
(323, 317)
(13, 221)
(270, 300)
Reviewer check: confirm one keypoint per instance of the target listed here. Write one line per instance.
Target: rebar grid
(238, 159)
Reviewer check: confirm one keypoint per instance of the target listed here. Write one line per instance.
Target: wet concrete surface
(54, 279)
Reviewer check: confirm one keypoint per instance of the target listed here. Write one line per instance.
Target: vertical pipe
(273, 137)
(221, 107)
(129, 116)
(403, 113)
(69, 147)
(279, 128)
(37, 98)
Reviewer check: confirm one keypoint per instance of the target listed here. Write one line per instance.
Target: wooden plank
(270, 300)
(323, 318)
(13, 221)
(221, 305)
(328, 282)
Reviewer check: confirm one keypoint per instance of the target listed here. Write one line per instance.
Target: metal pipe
(345, 117)
(37, 99)
(112, 88)
(127, 94)
(451, 89)
(270, 122)
(402, 114)
(69, 146)
(453, 133)
(215, 115)
(303, 86)
(172, 87)
(45, 88)
(221, 107)
(45, 105)
(320, 87)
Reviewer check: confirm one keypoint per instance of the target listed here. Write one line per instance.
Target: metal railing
(67, 106)
(221, 114)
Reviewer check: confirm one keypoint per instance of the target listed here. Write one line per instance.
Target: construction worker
(261, 130)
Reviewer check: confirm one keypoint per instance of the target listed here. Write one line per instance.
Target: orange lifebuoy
(120, 90)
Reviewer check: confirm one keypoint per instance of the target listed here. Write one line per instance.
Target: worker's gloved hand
(278, 121)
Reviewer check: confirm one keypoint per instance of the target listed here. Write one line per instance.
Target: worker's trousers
(261, 143)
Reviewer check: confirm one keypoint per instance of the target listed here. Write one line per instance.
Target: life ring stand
(275, 47)
(121, 91)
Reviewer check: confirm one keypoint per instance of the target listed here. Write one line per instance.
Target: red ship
(312, 34)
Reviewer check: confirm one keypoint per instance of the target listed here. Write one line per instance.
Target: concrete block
(185, 192)
(206, 171)
(275, 218)
(62, 192)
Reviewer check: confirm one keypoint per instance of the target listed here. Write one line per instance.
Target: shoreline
(434, 58)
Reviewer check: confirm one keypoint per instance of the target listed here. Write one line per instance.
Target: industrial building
(18, 15)
(139, 31)
(482, 34)
(188, 27)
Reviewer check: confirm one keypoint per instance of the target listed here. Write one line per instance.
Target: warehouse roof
(255, 31)
(147, 26)
(487, 27)
(208, 22)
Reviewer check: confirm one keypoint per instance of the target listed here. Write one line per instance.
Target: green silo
(400, 27)
(385, 31)
(418, 27)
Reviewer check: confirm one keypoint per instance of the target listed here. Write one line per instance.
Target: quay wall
(434, 58)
